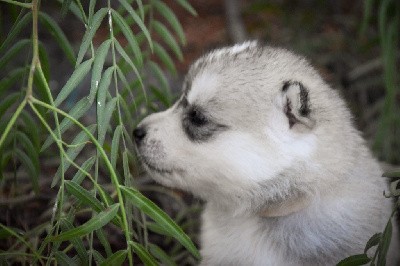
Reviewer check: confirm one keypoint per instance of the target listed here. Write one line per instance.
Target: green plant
(98, 188)
(387, 141)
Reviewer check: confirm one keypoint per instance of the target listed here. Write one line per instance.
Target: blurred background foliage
(110, 63)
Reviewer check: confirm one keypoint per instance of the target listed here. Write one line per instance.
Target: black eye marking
(196, 117)
(197, 126)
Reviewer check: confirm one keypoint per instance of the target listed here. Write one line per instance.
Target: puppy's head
(246, 115)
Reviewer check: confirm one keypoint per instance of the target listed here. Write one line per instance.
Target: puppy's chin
(164, 175)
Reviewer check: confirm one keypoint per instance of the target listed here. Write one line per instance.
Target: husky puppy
(271, 148)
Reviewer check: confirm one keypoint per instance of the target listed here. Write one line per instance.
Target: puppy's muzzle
(139, 134)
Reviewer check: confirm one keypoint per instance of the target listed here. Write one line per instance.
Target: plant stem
(12, 122)
(25, 5)
(114, 178)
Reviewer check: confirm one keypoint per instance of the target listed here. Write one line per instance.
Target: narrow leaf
(161, 255)
(159, 74)
(12, 78)
(95, 223)
(104, 241)
(185, 4)
(58, 36)
(373, 241)
(90, 32)
(9, 101)
(138, 21)
(115, 259)
(143, 254)
(84, 196)
(355, 260)
(72, 152)
(115, 146)
(77, 76)
(30, 149)
(76, 112)
(126, 30)
(103, 125)
(98, 64)
(165, 58)
(122, 52)
(14, 51)
(63, 259)
(29, 167)
(392, 174)
(160, 217)
(169, 15)
(76, 242)
(87, 165)
(16, 29)
(385, 243)
(168, 38)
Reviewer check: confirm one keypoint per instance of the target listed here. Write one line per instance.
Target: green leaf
(29, 167)
(168, 38)
(102, 93)
(84, 196)
(31, 128)
(161, 96)
(103, 124)
(97, 257)
(392, 174)
(115, 146)
(30, 149)
(160, 217)
(126, 30)
(9, 101)
(16, 29)
(44, 62)
(138, 21)
(161, 255)
(58, 36)
(104, 241)
(77, 76)
(124, 55)
(385, 243)
(76, 112)
(373, 241)
(125, 164)
(12, 78)
(185, 4)
(165, 58)
(12, 52)
(65, 7)
(63, 259)
(394, 191)
(143, 254)
(73, 152)
(355, 260)
(159, 74)
(95, 223)
(76, 242)
(169, 15)
(87, 165)
(98, 64)
(115, 259)
(92, 5)
(90, 32)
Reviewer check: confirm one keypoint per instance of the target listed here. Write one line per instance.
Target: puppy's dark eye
(197, 118)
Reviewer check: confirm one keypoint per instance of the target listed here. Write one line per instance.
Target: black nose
(138, 134)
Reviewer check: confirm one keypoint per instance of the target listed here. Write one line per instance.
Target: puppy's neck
(286, 207)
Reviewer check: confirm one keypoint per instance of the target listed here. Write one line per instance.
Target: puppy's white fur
(287, 178)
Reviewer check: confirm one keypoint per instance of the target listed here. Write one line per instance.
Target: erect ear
(296, 105)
